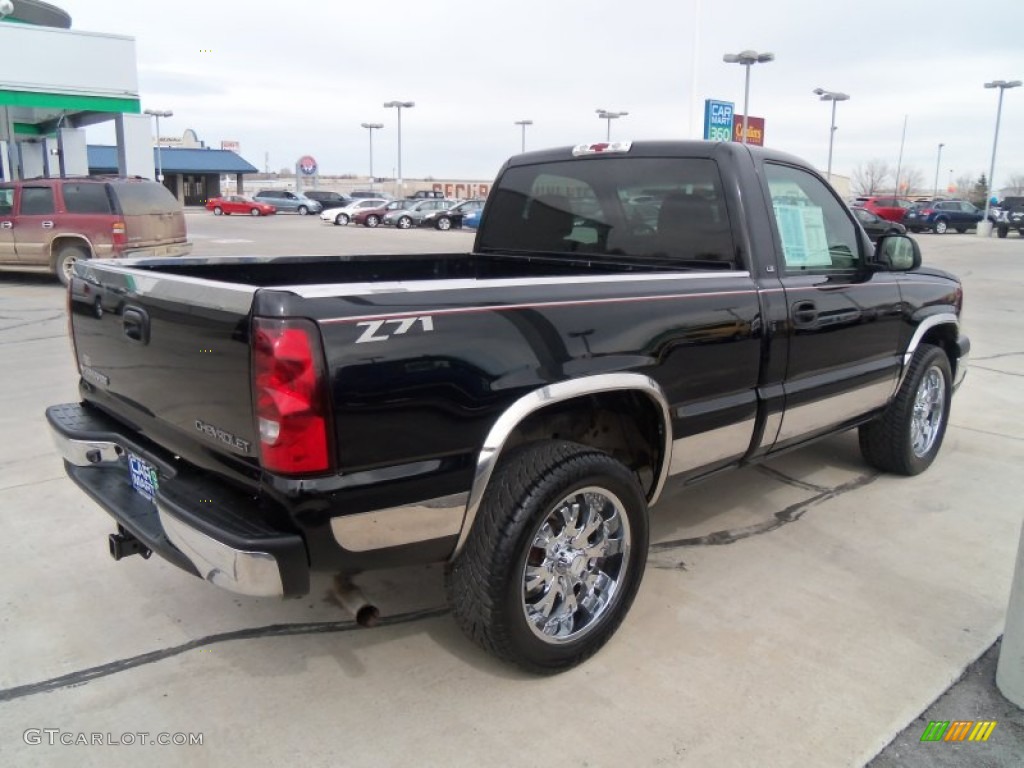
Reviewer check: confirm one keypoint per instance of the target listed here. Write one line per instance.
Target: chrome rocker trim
(406, 524)
(554, 393)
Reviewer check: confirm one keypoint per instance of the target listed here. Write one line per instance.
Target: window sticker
(802, 229)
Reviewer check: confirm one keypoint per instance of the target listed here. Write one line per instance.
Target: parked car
(451, 217)
(412, 216)
(889, 208)
(52, 223)
(364, 193)
(426, 194)
(342, 216)
(875, 225)
(283, 200)
(239, 204)
(1009, 214)
(942, 215)
(472, 219)
(328, 199)
(371, 217)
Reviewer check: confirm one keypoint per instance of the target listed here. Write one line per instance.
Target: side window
(86, 198)
(813, 228)
(6, 201)
(36, 201)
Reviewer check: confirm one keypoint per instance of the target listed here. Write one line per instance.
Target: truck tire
(906, 438)
(554, 559)
(1002, 232)
(64, 261)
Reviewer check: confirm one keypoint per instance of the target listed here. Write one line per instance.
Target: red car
(238, 204)
(888, 208)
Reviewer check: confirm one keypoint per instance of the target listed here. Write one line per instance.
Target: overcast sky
(292, 78)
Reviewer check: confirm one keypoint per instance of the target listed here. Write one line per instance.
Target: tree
(979, 193)
(911, 182)
(870, 177)
(1015, 184)
(964, 183)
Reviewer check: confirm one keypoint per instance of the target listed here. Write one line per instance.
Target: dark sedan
(876, 226)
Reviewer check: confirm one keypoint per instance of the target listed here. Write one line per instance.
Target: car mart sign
(718, 120)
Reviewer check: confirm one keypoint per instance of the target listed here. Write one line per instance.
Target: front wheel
(303, 210)
(218, 211)
(906, 438)
(941, 227)
(254, 212)
(341, 220)
(404, 222)
(554, 559)
(372, 220)
(444, 224)
(1002, 232)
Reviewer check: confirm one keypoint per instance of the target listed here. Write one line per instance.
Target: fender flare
(561, 391)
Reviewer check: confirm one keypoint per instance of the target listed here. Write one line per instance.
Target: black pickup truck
(631, 315)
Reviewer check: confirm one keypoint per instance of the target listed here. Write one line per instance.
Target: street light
(523, 123)
(399, 105)
(158, 113)
(938, 162)
(604, 114)
(747, 59)
(371, 127)
(832, 96)
(1002, 85)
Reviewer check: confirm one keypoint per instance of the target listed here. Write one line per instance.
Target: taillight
(926, 212)
(118, 233)
(289, 397)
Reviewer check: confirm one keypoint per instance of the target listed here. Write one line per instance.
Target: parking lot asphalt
(806, 612)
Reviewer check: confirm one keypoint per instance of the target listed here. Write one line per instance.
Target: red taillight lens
(118, 233)
(288, 394)
(926, 212)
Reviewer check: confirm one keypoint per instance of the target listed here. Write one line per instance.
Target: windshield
(651, 209)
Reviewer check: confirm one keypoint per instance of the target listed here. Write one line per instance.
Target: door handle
(6, 225)
(805, 313)
(47, 225)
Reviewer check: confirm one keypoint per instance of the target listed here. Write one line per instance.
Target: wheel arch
(941, 330)
(70, 238)
(551, 411)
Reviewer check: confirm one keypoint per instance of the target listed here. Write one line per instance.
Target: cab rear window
(141, 198)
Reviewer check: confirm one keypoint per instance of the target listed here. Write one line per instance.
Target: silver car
(284, 200)
(408, 217)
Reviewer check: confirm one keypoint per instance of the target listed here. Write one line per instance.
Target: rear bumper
(172, 249)
(204, 527)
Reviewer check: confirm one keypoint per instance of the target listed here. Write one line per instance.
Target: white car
(342, 216)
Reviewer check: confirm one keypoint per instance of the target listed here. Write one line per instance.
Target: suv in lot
(888, 208)
(284, 200)
(1009, 214)
(52, 223)
(328, 199)
(940, 216)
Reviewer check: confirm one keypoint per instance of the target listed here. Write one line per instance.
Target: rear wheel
(961, 230)
(1003, 232)
(217, 211)
(372, 220)
(554, 559)
(444, 224)
(254, 212)
(906, 438)
(941, 227)
(303, 210)
(404, 222)
(341, 220)
(64, 261)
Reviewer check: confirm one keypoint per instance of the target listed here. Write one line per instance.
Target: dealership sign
(755, 130)
(718, 120)
(307, 165)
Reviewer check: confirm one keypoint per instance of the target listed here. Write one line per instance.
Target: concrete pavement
(843, 605)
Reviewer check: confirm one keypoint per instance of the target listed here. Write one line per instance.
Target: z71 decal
(382, 330)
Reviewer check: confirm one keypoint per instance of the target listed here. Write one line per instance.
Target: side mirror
(898, 253)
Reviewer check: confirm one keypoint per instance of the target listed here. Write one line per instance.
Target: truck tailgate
(169, 356)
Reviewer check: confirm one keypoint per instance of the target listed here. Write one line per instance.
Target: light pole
(747, 59)
(523, 123)
(371, 127)
(832, 96)
(399, 105)
(938, 162)
(1002, 85)
(158, 113)
(604, 114)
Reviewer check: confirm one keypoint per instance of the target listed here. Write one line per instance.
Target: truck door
(843, 321)
(6, 224)
(34, 224)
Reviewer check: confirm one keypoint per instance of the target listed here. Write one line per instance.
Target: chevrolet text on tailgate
(631, 315)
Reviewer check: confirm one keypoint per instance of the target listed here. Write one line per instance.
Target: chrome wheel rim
(576, 564)
(929, 407)
(67, 265)
(444, 224)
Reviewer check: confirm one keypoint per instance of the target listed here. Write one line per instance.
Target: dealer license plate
(143, 477)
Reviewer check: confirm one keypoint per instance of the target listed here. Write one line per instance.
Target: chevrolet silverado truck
(632, 315)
